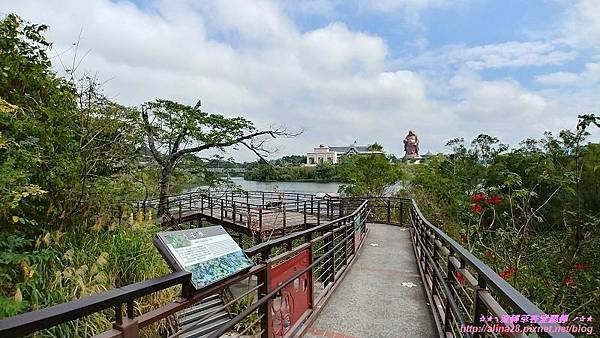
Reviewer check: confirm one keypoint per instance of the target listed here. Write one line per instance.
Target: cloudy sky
(365, 71)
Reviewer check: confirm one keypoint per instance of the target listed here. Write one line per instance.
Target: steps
(195, 314)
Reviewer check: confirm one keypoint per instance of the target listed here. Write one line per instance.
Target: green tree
(326, 172)
(368, 175)
(177, 130)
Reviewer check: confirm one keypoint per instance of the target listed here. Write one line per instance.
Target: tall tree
(368, 174)
(175, 130)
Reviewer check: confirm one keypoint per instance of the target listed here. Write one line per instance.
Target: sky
(343, 71)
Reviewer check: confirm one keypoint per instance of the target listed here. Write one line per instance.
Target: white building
(333, 155)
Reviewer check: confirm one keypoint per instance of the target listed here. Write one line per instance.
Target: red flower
(459, 277)
(508, 272)
(580, 266)
(476, 208)
(478, 197)
(569, 281)
(464, 238)
(494, 199)
(489, 254)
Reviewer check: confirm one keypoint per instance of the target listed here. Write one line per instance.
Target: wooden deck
(263, 223)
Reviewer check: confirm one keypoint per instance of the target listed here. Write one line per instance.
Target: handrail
(486, 276)
(265, 246)
(388, 210)
(44, 318)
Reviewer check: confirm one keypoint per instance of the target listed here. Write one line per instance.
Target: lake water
(304, 187)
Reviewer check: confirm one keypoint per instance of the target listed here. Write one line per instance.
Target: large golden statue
(411, 145)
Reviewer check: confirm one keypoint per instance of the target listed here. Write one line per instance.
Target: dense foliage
(291, 171)
(369, 174)
(70, 159)
(531, 213)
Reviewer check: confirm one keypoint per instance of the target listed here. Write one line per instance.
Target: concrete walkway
(382, 294)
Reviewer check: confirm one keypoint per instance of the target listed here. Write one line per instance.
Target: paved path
(372, 301)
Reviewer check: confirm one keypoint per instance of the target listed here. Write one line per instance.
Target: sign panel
(210, 254)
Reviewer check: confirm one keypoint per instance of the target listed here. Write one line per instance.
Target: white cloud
(506, 54)
(339, 84)
(590, 76)
(581, 26)
(408, 5)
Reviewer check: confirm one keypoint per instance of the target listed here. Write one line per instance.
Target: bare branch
(150, 134)
(178, 141)
(273, 133)
(254, 150)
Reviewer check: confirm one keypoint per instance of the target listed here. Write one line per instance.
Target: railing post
(436, 261)
(346, 245)
(478, 305)
(119, 314)
(249, 217)
(179, 211)
(260, 219)
(264, 310)
(305, 226)
(318, 212)
(332, 247)
(201, 204)
(190, 201)
(401, 213)
(233, 215)
(263, 198)
(389, 211)
(312, 212)
(451, 281)
(222, 208)
(284, 220)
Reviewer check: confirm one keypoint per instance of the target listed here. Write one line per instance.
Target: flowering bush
(508, 272)
(495, 199)
(476, 208)
(569, 281)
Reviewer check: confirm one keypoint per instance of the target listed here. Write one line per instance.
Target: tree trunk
(165, 180)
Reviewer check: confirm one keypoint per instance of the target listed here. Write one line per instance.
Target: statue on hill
(411, 145)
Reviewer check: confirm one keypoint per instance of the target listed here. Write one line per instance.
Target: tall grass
(96, 259)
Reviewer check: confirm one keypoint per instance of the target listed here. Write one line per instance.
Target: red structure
(295, 299)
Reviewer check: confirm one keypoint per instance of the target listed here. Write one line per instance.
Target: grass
(93, 260)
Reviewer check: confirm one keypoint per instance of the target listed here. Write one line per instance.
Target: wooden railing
(332, 248)
(252, 210)
(461, 289)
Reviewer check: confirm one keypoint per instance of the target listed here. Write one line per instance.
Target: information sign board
(209, 254)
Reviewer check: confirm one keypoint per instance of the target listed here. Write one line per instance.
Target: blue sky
(345, 70)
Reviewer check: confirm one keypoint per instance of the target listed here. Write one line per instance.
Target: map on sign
(209, 254)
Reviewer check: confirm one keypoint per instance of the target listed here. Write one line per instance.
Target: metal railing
(332, 255)
(461, 289)
(257, 212)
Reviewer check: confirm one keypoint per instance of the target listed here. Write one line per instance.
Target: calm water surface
(304, 187)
